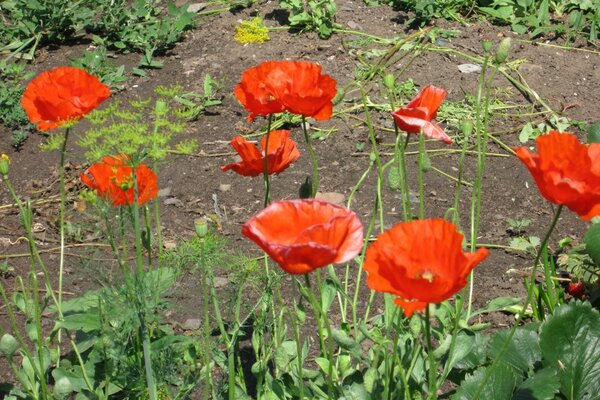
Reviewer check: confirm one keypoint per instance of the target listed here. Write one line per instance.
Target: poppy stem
(432, 394)
(313, 159)
(421, 163)
(61, 223)
(266, 169)
(322, 318)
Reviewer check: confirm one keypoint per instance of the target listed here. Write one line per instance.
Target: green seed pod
(8, 345)
(305, 191)
(201, 227)
(503, 50)
(62, 387)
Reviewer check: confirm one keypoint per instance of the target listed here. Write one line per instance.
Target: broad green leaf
(499, 386)
(522, 352)
(570, 343)
(541, 386)
(355, 391)
(592, 242)
(498, 304)
(477, 354)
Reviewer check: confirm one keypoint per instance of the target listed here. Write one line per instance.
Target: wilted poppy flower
(303, 235)
(294, 86)
(566, 172)
(63, 94)
(112, 178)
(282, 152)
(417, 115)
(421, 262)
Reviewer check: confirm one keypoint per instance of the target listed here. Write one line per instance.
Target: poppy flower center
(428, 276)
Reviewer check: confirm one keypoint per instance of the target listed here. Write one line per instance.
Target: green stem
(420, 162)
(322, 318)
(159, 243)
(61, 222)
(313, 159)
(432, 393)
(266, 169)
(293, 318)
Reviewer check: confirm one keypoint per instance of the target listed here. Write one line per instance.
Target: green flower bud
(503, 50)
(4, 163)
(487, 46)
(8, 345)
(388, 81)
(201, 227)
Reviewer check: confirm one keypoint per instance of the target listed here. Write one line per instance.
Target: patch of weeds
(141, 26)
(96, 63)
(29, 23)
(531, 131)
(312, 15)
(253, 31)
(426, 10)
(547, 17)
(12, 79)
(197, 103)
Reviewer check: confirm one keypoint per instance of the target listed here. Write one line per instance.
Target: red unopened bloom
(303, 235)
(566, 172)
(60, 95)
(421, 262)
(417, 115)
(112, 178)
(282, 152)
(294, 86)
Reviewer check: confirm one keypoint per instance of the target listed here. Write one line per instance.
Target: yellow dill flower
(253, 31)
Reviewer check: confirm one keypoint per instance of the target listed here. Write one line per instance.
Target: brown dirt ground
(566, 79)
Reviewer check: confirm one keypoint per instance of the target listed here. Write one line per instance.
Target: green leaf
(86, 322)
(498, 304)
(541, 386)
(499, 386)
(593, 133)
(592, 242)
(570, 343)
(522, 352)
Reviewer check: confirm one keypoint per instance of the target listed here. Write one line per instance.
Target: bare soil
(567, 79)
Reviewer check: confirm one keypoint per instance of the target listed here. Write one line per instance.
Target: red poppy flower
(113, 181)
(282, 152)
(417, 115)
(421, 262)
(60, 95)
(566, 172)
(294, 86)
(303, 235)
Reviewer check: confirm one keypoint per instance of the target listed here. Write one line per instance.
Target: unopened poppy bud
(201, 227)
(89, 196)
(467, 128)
(4, 163)
(305, 191)
(487, 46)
(503, 50)
(8, 345)
(388, 81)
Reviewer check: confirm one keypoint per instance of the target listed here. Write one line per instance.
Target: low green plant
(28, 23)
(312, 15)
(12, 116)
(141, 26)
(96, 62)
